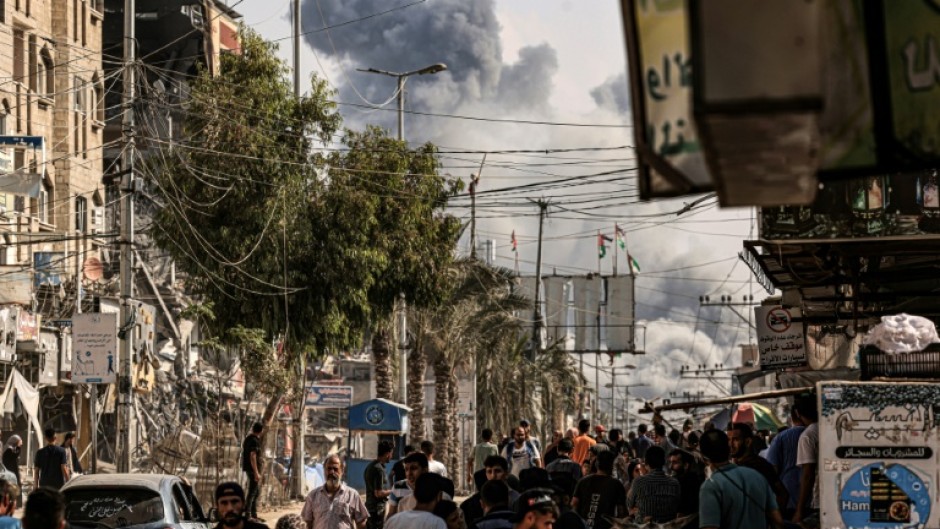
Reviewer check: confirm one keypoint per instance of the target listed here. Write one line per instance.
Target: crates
(918, 365)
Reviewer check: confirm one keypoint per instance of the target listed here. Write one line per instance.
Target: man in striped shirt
(655, 495)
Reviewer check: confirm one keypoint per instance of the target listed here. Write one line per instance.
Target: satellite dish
(92, 269)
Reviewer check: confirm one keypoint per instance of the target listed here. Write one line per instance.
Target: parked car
(137, 501)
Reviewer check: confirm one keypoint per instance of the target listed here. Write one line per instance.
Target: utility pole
(537, 323)
(125, 381)
(300, 436)
(474, 181)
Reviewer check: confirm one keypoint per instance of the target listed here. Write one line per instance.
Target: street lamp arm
(432, 69)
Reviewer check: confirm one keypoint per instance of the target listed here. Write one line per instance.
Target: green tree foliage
(280, 237)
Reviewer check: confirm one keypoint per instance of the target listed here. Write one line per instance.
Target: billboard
(95, 348)
(328, 396)
(878, 464)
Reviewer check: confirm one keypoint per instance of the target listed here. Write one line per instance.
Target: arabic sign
(877, 465)
(664, 127)
(781, 341)
(912, 49)
(94, 348)
(321, 396)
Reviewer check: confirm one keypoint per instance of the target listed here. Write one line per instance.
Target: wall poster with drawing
(878, 454)
(94, 348)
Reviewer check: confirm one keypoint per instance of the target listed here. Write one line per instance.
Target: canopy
(722, 419)
(757, 415)
(19, 388)
(379, 415)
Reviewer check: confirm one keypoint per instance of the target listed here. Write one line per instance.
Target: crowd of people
(734, 478)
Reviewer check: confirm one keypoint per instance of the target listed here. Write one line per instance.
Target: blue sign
(329, 396)
(29, 141)
(884, 496)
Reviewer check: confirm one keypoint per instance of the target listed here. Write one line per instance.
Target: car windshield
(113, 507)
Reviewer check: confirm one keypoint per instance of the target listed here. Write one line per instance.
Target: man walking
(643, 442)
(334, 505)
(521, 453)
(494, 497)
(600, 495)
(426, 495)
(377, 489)
(564, 463)
(535, 509)
(741, 441)
(75, 466)
(528, 435)
(230, 506)
(655, 496)
(807, 457)
(682, 465)
(427, 448)
(733, 497)
(51, 463)
(583, 442)
(251, 465)
(782, 455)
(481, 451)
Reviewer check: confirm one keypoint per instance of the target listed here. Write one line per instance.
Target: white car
(138, 501)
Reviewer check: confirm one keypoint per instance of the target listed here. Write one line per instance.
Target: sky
(553, 62)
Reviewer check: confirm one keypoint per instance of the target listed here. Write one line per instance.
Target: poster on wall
(878, 454)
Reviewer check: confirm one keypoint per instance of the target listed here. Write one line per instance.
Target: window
(81, 214)
(4, 115)
(79, 106)
(45, 74)
(33, 60)
(97, 102)
(75, 19)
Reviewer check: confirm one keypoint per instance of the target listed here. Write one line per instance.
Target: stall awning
(379, 415)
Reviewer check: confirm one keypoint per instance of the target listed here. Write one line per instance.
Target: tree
(410, 228)
(288, 244)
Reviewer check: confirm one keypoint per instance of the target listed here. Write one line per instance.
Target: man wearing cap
(427, 492)
(334, 505)
(230, 505)
(600, 433)
(564, 463)
(535, 509)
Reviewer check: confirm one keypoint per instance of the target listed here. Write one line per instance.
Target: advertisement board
(780, 340)
(322, 396)
(95, 348)
(878, 454)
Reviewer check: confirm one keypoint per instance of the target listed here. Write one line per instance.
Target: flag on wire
(621, 237)
(601, 244)
(515, 243)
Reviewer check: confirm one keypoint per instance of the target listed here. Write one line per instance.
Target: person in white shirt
(427, 447)
(427, 493)
(521, 453)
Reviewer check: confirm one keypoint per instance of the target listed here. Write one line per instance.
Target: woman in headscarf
(11, 457)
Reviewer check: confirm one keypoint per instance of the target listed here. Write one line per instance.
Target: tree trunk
(417, 368)
(382, 355)
(441, 397)
(456, 454)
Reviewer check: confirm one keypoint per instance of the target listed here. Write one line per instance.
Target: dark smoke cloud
(463, 34)
(613, 94)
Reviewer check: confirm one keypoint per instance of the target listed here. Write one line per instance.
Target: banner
(587, 301)
(321, 396)
(556, 308)
(621, 321)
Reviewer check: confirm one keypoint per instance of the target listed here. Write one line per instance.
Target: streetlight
(432, 69)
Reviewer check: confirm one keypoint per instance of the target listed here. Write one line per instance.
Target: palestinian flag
(621, 236)
(633, 263)
(515, 243)
(602, 241)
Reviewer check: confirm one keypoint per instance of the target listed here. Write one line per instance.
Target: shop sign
(878, 464)
(27, 326)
